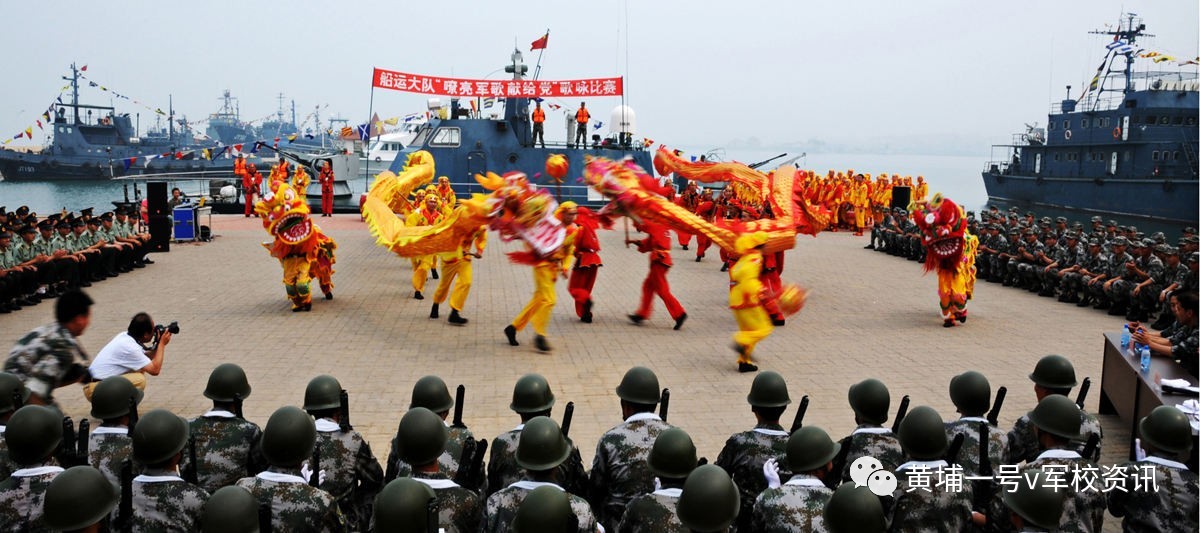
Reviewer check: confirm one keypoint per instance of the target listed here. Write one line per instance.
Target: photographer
(127, 356)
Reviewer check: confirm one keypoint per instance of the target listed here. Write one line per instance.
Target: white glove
(1140, 453)
(771, 472)
(306, 473)
(657, 484)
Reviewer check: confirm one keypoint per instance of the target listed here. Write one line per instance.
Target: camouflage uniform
(295, 506)
(1083, 511)
(1116, 269)
(459, 509)
(1023, 443)
(620, 471)
(502, 468)
(447, 462)
(928, 506)
(874, 441)
(502, 507)
(652, 513)
(1096, 264)
(6, 464)
(968, 455)
(352, 475)
(43, 358)
(743, 457)
(226, 449)
(1184, 345)
(162, 501)
(1170, 507)
(108, 447)
(1024, 269)
(1147, 298)
(796, 507)
(22, 496)
(1064, 257)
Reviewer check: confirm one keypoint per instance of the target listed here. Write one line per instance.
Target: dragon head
(285, 214)
(943, 227)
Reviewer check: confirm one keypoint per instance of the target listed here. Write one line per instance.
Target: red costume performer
(326, 180)
(658, 244)
(250, 181)
(772, 268)
(587, 262)
(706, 209)
(689, 199)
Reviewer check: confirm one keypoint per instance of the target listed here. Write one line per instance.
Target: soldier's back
(796, 507)
(459, 509)
(503, 470)
(620, 469)
(352, 475)
(968, 455)
(1165, 501)
(107, 449)
(161, 504)
(295, 506)
(1083, 505)
(881, 445)
(1023, 446)
(21, 499)
(743, 457)
(6, 464)
(927, 507)
(501, 508)
(225, 450)
(652, 513)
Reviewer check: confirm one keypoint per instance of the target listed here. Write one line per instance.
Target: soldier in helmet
(1057, 422)
(934, 506)
(287, 443)
(1166, 438)
(545, 510)
(431, 393)
(745, 453)
(405, 504)
(163, 501)
(672, 458)
(708, 501)
(540, 451)
(854, 509)
(1034, 505)
(620, 470)
(231, 510)
(532, 397)
(79, 499)
(1053, 374)
(796, 506)
(972, 395)
(421, 439)
(33, 436)
(352, 474)
(226, 444)
(11, 389)
(114, 402)
(870, 401)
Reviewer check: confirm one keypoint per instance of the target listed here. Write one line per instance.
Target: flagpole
(367, 148)
(538, 69)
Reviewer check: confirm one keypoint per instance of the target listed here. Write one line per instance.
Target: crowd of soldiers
(43, 257)
(308, 470)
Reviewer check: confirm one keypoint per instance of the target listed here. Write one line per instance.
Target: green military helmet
(673, 454)
(971, 393)
(545, 510)
(870, 401)
(421, 437)
(1167, 429)
(1034, 501)
(768, 390)
(639, 385)
(923, 434)
(541, 445)
(323, 392)
(709, 501)
(231, 509)
(1057, 415)
(289, 437)
(810, 448)
(158, 436)
(227, 383)
(531, 394)
(403, 505)
(854, 509)
(431, 393)
(1054, 372)
(77, 498)
(10, 387)
(33, 434)
(110, 398)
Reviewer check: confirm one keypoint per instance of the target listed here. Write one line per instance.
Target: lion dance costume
(303, 250)
(950, 250)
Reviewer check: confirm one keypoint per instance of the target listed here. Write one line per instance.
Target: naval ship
(1127, 147)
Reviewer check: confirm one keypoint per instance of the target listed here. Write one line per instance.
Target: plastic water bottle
(1145, 353)
(1125, 337)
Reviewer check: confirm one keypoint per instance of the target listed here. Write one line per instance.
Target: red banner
(417, 83)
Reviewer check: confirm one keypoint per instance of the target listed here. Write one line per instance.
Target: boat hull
(1161, 200)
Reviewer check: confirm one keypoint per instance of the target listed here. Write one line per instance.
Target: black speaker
(160, 233)
(901, 196)
(156, 199)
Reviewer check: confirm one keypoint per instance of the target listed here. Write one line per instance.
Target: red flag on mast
(540, 43)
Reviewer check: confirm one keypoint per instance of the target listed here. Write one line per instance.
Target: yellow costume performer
(746, 299)
(546, 271)
(428, 215)
(456, 270)
(950, 250)
(304, 251)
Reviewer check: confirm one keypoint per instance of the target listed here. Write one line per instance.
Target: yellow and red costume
(303, 250)
(587, 261)
(746, 299)
(427, 215)
(950, 250)
(689, 199)
(325, 178)
(457, 271)
(546, 270)
(657, 243)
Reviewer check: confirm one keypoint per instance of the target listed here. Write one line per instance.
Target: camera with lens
(173, 327)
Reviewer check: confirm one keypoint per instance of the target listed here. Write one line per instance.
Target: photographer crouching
(127, 355)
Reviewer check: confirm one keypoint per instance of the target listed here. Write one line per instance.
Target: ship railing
(998, 167)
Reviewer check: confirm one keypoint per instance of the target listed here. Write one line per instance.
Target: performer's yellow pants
(860, 216)
(753, 325)
(458, 273)
(421, 266)
(296, 279)
(538, 309)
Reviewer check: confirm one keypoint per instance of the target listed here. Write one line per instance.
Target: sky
(928, 74)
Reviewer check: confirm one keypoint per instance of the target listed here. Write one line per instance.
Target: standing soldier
(539, 125)
(431, 393)
(163, 501)
(1057, 422)
(531, 398)
(581, 121)
(1166, 438)
(325, 178)
(972, 394)
(928, 506)
(658, 244)
(33, 435)
(745, 453)
(870, 401)
(1053, 374)
(620, 471)
(352, 475)
(114, 402)
(672, 458)
(227, 446)
(288, 443)
(796, 505)
(421, 438)
(456, 265)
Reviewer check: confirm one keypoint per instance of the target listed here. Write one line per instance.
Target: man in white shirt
(126, 355)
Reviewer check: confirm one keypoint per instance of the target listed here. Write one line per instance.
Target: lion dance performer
(587, 261)
(546, 270)
(950, 250)
(303, 250)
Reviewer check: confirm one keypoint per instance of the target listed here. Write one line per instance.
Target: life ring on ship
(1067, 135)
(1117, 132)
(378, 159)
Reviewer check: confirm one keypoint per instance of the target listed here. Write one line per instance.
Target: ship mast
(74, 79)
(1128, 30)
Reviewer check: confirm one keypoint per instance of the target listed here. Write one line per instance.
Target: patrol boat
(1127, 147)
(463, 145)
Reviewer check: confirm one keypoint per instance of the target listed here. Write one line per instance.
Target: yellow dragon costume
(303, 250)
(950, 250)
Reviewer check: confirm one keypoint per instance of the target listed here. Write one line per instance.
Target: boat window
(1083, 122)
(1191, 121)
(1150, 119)
(69, 129)
(1164, 120)
(445, 137)
(1154, 155)
(1066, 124)
(1177, 155)
(1179, 120)
(422, 136)
(1050, 126)
(1057, 157)
(1128, 156)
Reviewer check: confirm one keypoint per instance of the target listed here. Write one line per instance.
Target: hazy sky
(699, 73)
